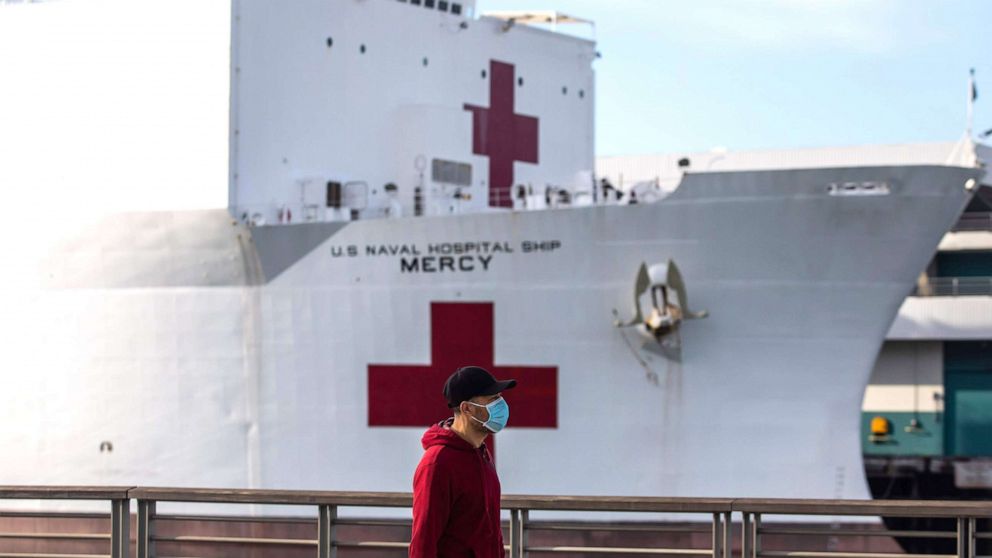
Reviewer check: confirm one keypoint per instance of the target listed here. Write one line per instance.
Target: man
(455, 488)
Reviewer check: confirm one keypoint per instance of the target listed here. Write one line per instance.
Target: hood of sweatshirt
(441, 434)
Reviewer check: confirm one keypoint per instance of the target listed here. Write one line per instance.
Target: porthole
(425, 61)
(361, 49)
(582, 94)
(483, 74)
(564, 90)
(330, 42)
(520, 81)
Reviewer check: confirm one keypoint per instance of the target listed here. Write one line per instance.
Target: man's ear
(466, 408)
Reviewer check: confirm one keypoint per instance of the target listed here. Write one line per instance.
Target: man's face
(480, 413)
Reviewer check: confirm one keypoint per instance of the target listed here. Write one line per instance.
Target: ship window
(451, 172)
(415, 2)
(484, 74)
(442, 5)
(428, 3)
(520, 81)
(456, 8)
(330, 42)
(334, 194)
(361, 49)
(564, 90)
(425, 61)
(582, 94)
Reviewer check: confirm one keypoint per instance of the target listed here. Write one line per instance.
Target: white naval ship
(411, 189)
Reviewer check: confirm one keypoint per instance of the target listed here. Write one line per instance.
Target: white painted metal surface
(966, 240)
(944, 317)
(392, 89)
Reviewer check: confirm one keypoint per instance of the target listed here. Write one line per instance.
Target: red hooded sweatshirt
(455, 499)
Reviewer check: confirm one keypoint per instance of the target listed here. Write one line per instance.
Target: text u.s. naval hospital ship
(411, 190)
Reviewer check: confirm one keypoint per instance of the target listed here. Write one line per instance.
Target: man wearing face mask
(455, 488)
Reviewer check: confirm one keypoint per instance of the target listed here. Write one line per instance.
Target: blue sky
(756, 74)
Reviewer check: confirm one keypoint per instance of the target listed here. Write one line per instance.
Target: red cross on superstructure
(501, 134)
(461, 335)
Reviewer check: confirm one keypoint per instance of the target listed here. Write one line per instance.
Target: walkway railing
(716, 525)
(118, 530)
(955, 286)
(964, 515)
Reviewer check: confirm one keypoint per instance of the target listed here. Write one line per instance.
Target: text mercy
(442, 264)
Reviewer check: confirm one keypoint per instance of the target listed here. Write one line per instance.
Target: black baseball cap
(470, 381)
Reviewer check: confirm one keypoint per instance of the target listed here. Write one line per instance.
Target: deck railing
(717, 522)
(975, 221)
(955, 286)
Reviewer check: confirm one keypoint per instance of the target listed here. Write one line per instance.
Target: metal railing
(955, 286)
(975, 221)
(119, 527)
(717, 510)
(324, 536)
(963, 513)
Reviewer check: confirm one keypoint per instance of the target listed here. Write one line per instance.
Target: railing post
(728, 535)
(523, 534)
(756, 536)
(514, 533)
(717, 529)
(120, 528)
(962, 545)
(325, 531)
(146, 529)
(745, 534)
(972, 551)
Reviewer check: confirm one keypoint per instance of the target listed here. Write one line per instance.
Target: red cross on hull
(461, 334)
(501, 134)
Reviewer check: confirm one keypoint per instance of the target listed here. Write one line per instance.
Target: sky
(768, 74)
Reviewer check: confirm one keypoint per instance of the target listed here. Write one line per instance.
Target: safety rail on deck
(955, 286)
(974, 221)
(718, 513)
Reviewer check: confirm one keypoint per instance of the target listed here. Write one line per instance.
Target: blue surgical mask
(499, 413)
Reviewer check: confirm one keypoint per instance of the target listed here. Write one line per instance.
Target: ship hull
(232, 356)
